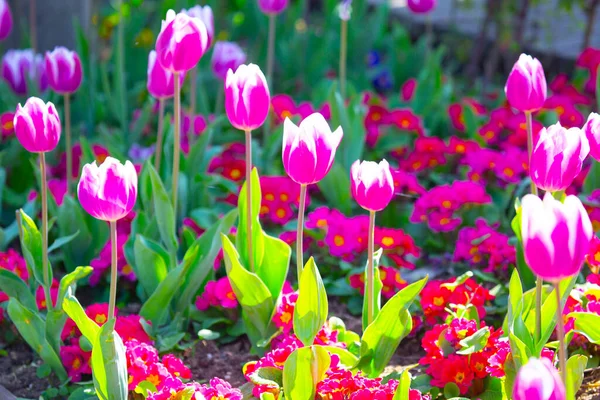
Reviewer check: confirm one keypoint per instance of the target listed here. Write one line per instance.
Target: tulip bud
(108, 192)
(272, 6)
(526, 85)
(160, 82)
(227, 56)
(556, 236)
(592, 133)
(181, 43)
(64, 70)
(18, 66)
(6, 20)
(421, 6)
(538, 380)
(557, 157)
(309, 149)
(37, 125)
(247, 98)
(204, 14)
(372, 184)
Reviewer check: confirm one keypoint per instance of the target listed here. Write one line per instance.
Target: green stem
(176, 142)
(371, 269)
(121, 84)
(271, 49)
(562, 349)
(45, 264)
(159, 140)
(113, 270)
(529, 120)
(343, 56)
(193, 90)
(68, 142)
(539, 285)
(249, 199)
(300, 233)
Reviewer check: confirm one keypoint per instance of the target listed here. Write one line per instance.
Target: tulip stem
(33, 28)
(371, 270)
(113, 270)
(45, 266)
(176, 142)
(249, 199)
(562, 350)
(68, 142)
(271, 49)
(529, 121)
(159, 140)
(343, 56)
(193, 90)
(539, 285)
(300, 233)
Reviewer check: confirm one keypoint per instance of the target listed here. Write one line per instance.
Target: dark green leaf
(152, 263)
(61, 241)
(163, 210)
(31, 244)
(15, 287)
(474, 343)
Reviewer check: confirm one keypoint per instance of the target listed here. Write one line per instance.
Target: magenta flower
(182, 42)
(557, 157)
(6, 20)
(204, 14)
(108, 192)
(272, 6)
(160, 83)
(226, 56)
(309, 149)
(372, 184)
(538, 380)
(247, 97)
(421, 6)
(526, 85)
(19, 66)
(37, 125)
(592, 133)
(64, 70)
(556, 236)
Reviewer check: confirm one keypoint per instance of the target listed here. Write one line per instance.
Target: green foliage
(303, 370)
(377, 286)
(310, 312)
(392, 324)
(576, 365)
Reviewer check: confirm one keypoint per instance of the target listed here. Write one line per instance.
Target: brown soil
(18, 372)
(590, 388)
(207, 360)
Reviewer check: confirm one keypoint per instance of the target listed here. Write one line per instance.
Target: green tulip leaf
(311, 308)
(303, 370)
(382, 337)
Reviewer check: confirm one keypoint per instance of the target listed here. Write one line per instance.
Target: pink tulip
(226, 56)
(272, 6)
(108, 192)
(181, 43)
(526, 85)
(204, 14)
(18, 66)
(37, 125)
(538, 380)
(309, 149)
(247, 98)
(592, 133)
(64, 70)
(557, 157)
(372, 184)
(6, 20)
(421, 6)
(160, 82)
(556, 236)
